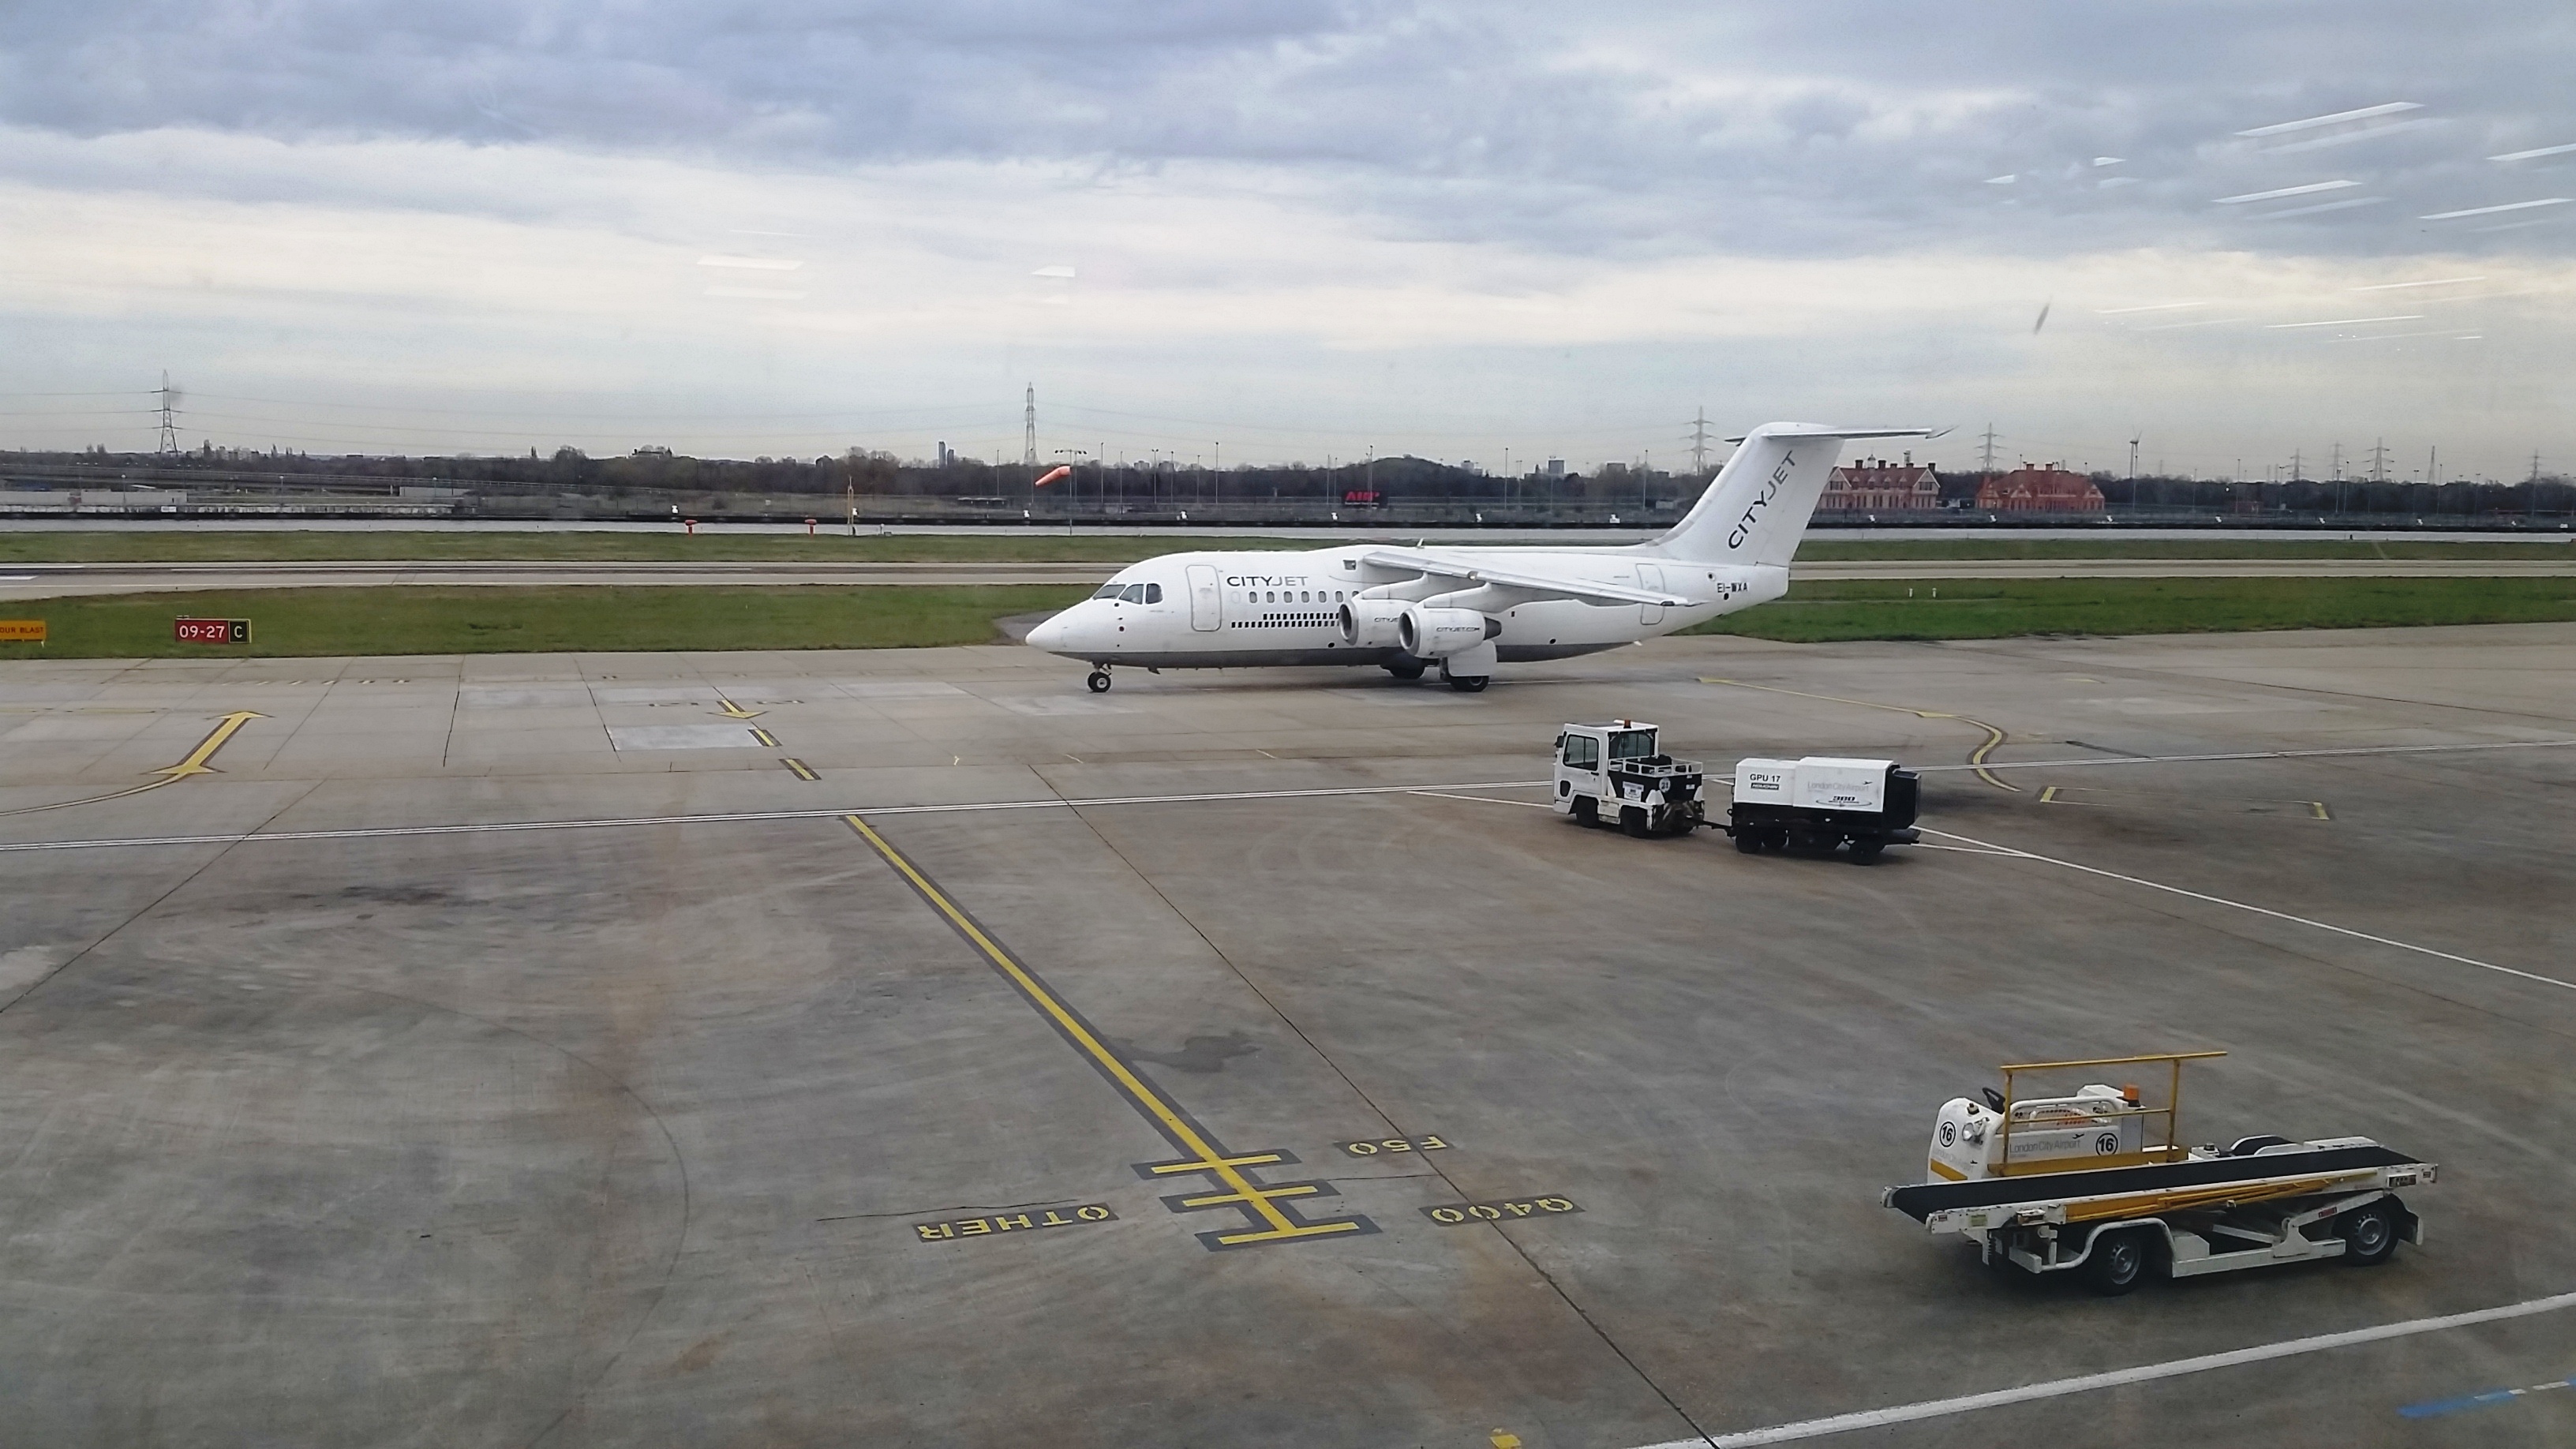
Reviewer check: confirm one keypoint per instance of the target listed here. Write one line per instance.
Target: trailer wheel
(2369, 1235)
(2118, 1262)
(1748, 840)
(1776, 839)
(1633, 821)
(1866, 849)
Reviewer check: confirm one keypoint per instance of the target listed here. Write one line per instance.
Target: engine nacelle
(1371, 623)
(1427, 633)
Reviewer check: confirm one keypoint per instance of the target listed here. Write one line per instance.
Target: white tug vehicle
(1613, 774)
(2097, 1182)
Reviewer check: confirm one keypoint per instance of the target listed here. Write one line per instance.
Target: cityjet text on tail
(1465, 609)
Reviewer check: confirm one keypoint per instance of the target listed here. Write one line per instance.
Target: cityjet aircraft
(1465, 609)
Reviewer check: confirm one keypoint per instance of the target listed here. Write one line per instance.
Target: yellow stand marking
(1164, 1114)
(764, 736)
(799, 768)
(1215, 1199)
(1161, 1169)
(732, 710)
(1994, 736)
(194, 764)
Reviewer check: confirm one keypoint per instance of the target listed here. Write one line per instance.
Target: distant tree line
(656, 472)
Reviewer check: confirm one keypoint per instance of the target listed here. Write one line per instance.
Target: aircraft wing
(1543, 586)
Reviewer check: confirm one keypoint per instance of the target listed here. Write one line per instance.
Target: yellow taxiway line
(194, 764)
(1976, 759)
(1175, 1125)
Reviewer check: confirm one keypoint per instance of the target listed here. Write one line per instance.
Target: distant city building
(1875, 485)
(2039, 490)
(1556, 467)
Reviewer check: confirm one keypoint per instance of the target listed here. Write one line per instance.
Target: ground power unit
(1822, 802)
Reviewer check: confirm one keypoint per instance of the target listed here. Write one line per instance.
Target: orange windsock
(1060, 471)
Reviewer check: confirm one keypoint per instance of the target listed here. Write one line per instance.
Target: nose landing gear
(1099, 680)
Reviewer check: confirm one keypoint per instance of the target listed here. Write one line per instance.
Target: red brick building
(2039, 490)
(1874, 485)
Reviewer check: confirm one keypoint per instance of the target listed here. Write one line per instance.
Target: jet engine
(1371, 623)
(1427, 633)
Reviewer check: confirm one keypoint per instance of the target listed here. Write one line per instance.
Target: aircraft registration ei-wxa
(1465, 609)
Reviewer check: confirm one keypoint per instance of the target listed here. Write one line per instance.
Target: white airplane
(1464, 608)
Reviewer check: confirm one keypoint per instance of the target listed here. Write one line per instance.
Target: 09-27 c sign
(211, 631)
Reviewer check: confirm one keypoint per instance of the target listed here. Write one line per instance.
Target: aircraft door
(1650, 576)
(1207, 604)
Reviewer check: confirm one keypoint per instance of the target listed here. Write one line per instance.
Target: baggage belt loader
(2098, 1184)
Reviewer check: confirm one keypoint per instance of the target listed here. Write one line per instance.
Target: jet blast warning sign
(22, 631)
(211, 631)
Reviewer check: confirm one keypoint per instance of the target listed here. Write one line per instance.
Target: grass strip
(163, 545)
(502, 620)
(304, 622)
(184, 546)
(1993, 609)
(1829, 550)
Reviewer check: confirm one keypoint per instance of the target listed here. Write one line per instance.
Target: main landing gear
(1407, 670)
(1467, 683)
(1099, 680)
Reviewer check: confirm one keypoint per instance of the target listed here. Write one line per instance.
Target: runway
(39, 581)
(909, 1047)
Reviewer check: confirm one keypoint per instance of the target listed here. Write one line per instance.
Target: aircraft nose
(1049, 635)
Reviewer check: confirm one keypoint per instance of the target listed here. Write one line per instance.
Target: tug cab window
(1582, 752)
(1632, 745)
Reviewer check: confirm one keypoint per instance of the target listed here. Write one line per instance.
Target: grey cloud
(1836, 126)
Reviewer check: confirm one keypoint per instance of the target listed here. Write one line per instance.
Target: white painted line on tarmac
(2253, 755)
(384, 832)
(1485, 799)
(2086, 1383)
(1992, 848)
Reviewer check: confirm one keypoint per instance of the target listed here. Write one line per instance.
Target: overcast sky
(1294, 228)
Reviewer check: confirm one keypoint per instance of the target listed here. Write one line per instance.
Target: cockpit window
(1134, 594)
(1108, 591)
(1153, 593)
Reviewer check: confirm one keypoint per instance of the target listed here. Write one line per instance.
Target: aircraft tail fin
(1757, 508)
